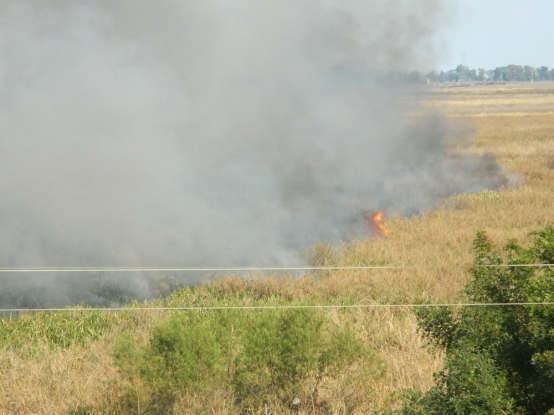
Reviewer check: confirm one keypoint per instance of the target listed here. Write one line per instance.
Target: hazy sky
(499, 33)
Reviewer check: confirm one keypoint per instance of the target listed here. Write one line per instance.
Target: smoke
(211, 133)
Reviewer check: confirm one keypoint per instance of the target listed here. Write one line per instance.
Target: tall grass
(64, 363)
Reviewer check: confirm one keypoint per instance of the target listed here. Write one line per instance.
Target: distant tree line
(510, 73)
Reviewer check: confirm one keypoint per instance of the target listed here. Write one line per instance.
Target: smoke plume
(211, 133)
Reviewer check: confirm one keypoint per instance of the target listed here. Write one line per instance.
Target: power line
(277, 307)
(251, 269)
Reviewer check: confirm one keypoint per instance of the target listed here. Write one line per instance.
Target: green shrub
(288, 354)
(251, 357)
(184, 355)
(499, 359)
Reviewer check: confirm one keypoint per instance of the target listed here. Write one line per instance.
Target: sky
(499, 33)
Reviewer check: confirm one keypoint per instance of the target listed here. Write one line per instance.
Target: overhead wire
(259, 269)
(278, 307)
(267, 307)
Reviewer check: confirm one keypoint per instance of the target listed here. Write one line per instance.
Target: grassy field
(64, 364)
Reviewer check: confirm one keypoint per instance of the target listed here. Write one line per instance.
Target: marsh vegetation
(335, 361)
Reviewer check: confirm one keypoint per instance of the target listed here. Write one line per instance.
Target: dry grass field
(515, 122)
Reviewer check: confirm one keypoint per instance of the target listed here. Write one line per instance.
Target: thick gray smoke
(212, 133)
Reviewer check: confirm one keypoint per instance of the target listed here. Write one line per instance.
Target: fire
(377, 228)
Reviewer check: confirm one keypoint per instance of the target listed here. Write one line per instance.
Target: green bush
(253, 358)
(288, 354)
(184, 355)
(499, 359)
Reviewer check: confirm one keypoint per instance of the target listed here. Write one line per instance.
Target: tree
(528, 73)
(542, 73)
(514, 73)
(499, 359)
(463, 72)
(433, 76)
(499, 74)
(482, 74)
(453, 76)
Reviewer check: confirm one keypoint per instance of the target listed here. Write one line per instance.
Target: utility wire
(251, 269)
(279, 307)
(230, 269)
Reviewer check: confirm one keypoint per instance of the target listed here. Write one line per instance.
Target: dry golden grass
(514, 122)
(495, 100)
(54, 381)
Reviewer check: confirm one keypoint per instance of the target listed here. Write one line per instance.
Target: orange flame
(376, 226)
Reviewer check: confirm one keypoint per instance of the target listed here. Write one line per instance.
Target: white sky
(495, 33)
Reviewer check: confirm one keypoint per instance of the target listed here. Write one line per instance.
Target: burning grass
(41, 377)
